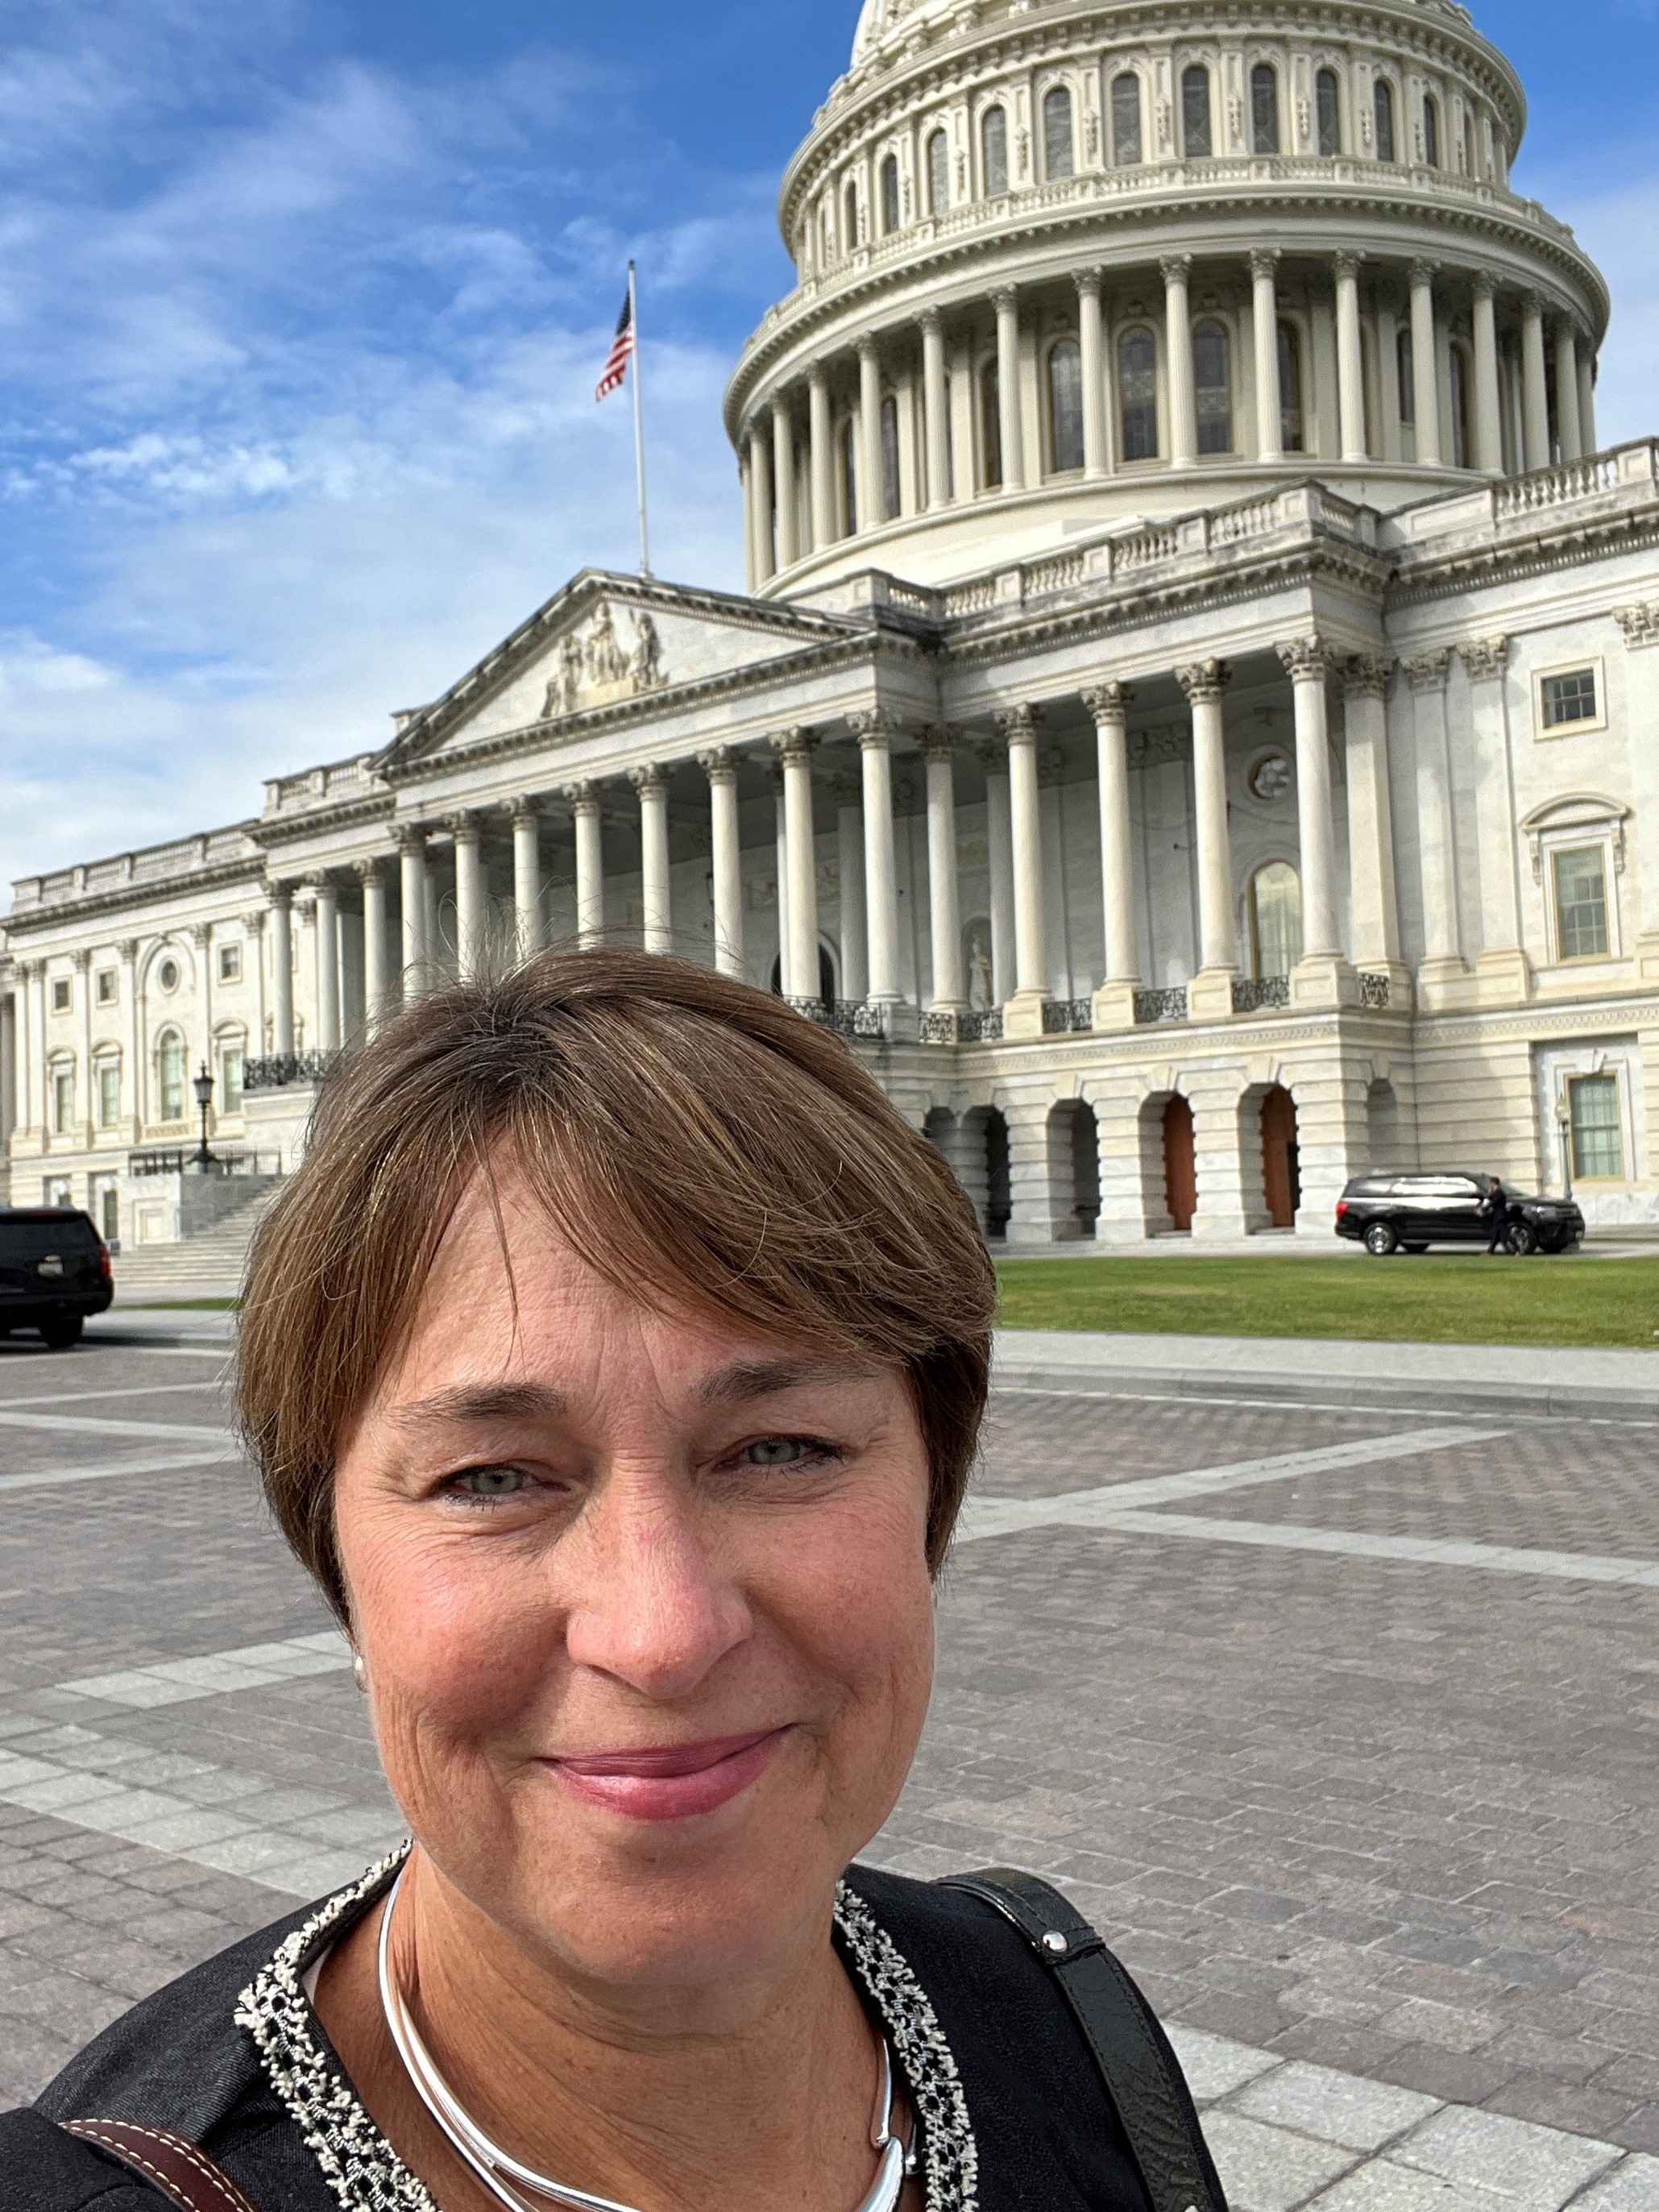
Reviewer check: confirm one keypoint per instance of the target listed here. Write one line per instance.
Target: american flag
(621, 352)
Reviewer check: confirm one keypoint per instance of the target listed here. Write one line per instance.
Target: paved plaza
(1340, 1721)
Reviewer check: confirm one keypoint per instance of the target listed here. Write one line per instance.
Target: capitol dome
(1066, 267)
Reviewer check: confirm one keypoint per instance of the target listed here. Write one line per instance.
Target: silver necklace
(503, 2176)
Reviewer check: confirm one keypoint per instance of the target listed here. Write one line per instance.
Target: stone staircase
(209, 1265)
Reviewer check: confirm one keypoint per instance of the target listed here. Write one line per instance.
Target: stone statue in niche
(567, 681)
(977, 946)
(607, 663)
(646, 666)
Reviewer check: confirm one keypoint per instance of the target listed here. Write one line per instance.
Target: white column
(1178, 360)
(1372, 895)
(1264, 316)
(780, 870)
(943, 902)
(795, 749)
(1437, 851)
(471, 899)
(1535, 396)
(726, 858)
(1305, 660)
(88, 1114)
(656, 899)
(783, 478)
(1010, 422)
(8, 1065)
(1091, 366)
(1000, 861)
(411, 888)
(760, 492)
(871, 485)
(854, 918)
(1109, 704)
(1587, 399)
(328, 965)
(935, 406)
(281, 977)
(527, 879)
(1018, 726)
(1204, 682)
(583, 800)
(875, 736)
(822, 462)
(1350, 363)
(377, 963)
(747, 486)
(1488, 431)
(136, 1079)
(40, 1103)
(1503, 968)
(1566, 390)
(1425, 381)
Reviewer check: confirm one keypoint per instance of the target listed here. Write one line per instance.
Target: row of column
(770, 444)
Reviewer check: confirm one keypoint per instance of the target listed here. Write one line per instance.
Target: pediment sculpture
(593, 667)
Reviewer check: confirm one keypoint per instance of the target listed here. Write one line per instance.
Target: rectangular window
(109, 1095)
(63, 1101)
(109, 1214)
(60, 994)
(230, 1080)
(1581, 904)
(108, 988)
(1125, 120)
(1196, 114)
(230, 964)
(1569, 699)
(1598, 1140)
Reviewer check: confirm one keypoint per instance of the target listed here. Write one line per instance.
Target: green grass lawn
(1454, 1298)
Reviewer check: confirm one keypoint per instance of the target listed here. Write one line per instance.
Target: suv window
(33, 1239)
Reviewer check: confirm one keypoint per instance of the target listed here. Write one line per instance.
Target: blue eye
(776, 1451)
(492, 1482)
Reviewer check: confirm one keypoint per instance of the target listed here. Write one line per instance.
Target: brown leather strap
(185, 2175)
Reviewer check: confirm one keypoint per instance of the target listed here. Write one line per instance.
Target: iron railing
(1166, 1005)
(847, 1018)
(1253, 992)
(180, 1159)
(980, 1028)
(280, 1070)
(1373, 990)
(939, 1028)
(1060, 1016)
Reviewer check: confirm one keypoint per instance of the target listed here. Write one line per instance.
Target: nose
(649, 1605)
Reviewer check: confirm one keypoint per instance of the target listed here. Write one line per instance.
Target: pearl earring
(359, 1672)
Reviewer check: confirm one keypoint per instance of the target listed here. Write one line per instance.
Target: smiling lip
(672, 1782)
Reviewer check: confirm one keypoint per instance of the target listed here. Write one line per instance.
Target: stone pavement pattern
(1378, 1833)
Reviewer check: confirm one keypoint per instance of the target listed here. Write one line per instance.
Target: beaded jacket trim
(365, 2174)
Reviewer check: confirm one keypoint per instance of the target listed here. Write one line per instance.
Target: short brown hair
(697, 1141)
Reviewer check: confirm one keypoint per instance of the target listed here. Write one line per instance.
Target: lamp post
(203, 1087)
(1564, 1124)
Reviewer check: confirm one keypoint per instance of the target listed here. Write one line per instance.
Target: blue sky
(301, 311)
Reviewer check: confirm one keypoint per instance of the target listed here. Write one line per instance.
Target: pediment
(604, 641)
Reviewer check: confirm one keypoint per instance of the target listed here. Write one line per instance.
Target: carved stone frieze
(592, 668)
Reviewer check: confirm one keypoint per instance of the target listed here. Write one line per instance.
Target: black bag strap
(1142, 2075)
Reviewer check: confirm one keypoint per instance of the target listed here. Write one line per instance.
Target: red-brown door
(1279, 1176)
(1180, 1177)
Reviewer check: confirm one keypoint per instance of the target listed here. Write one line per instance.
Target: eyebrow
(483, 1401)
(761, 1378)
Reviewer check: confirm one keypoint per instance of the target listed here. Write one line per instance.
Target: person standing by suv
(1495, 1207)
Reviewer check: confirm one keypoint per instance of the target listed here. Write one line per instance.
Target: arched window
(1383, 113)
(994, 148)
(1264, 108)
(1405, 371)
(1431, 130)
(1137, 384)
(1126, 119)
(939, 173)
(990, 423)
(1211, 388)
(849, 227)
(1275, 918)
(1196, 112)
(1469, 144)
(826, 235)
(170, 1075)
(890, 196)
(1328, 102)
(1290, 388)
(1065, 406)
(1458, 367)
(890, 458)
(849, 473)
(1057, 161)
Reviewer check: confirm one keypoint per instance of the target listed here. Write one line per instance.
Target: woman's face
(644, 1603)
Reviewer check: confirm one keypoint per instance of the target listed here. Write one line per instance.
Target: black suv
(1416, 1211)
(54, 1271)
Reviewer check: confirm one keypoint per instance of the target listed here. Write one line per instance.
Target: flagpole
(639, 425)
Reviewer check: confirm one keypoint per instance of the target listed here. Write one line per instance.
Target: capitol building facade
(1193, 720)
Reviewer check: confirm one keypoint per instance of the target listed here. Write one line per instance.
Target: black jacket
(1047, 2136)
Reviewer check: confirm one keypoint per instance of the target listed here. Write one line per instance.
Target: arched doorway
(979, 1153)
(1281, 1174)
(826, 976)
(1179, 1168)
(1073, 1168)
(998, 1192)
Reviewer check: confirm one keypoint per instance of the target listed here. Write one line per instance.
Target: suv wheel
(59, 1335)
(1380, 1240)
(1522, 1240)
